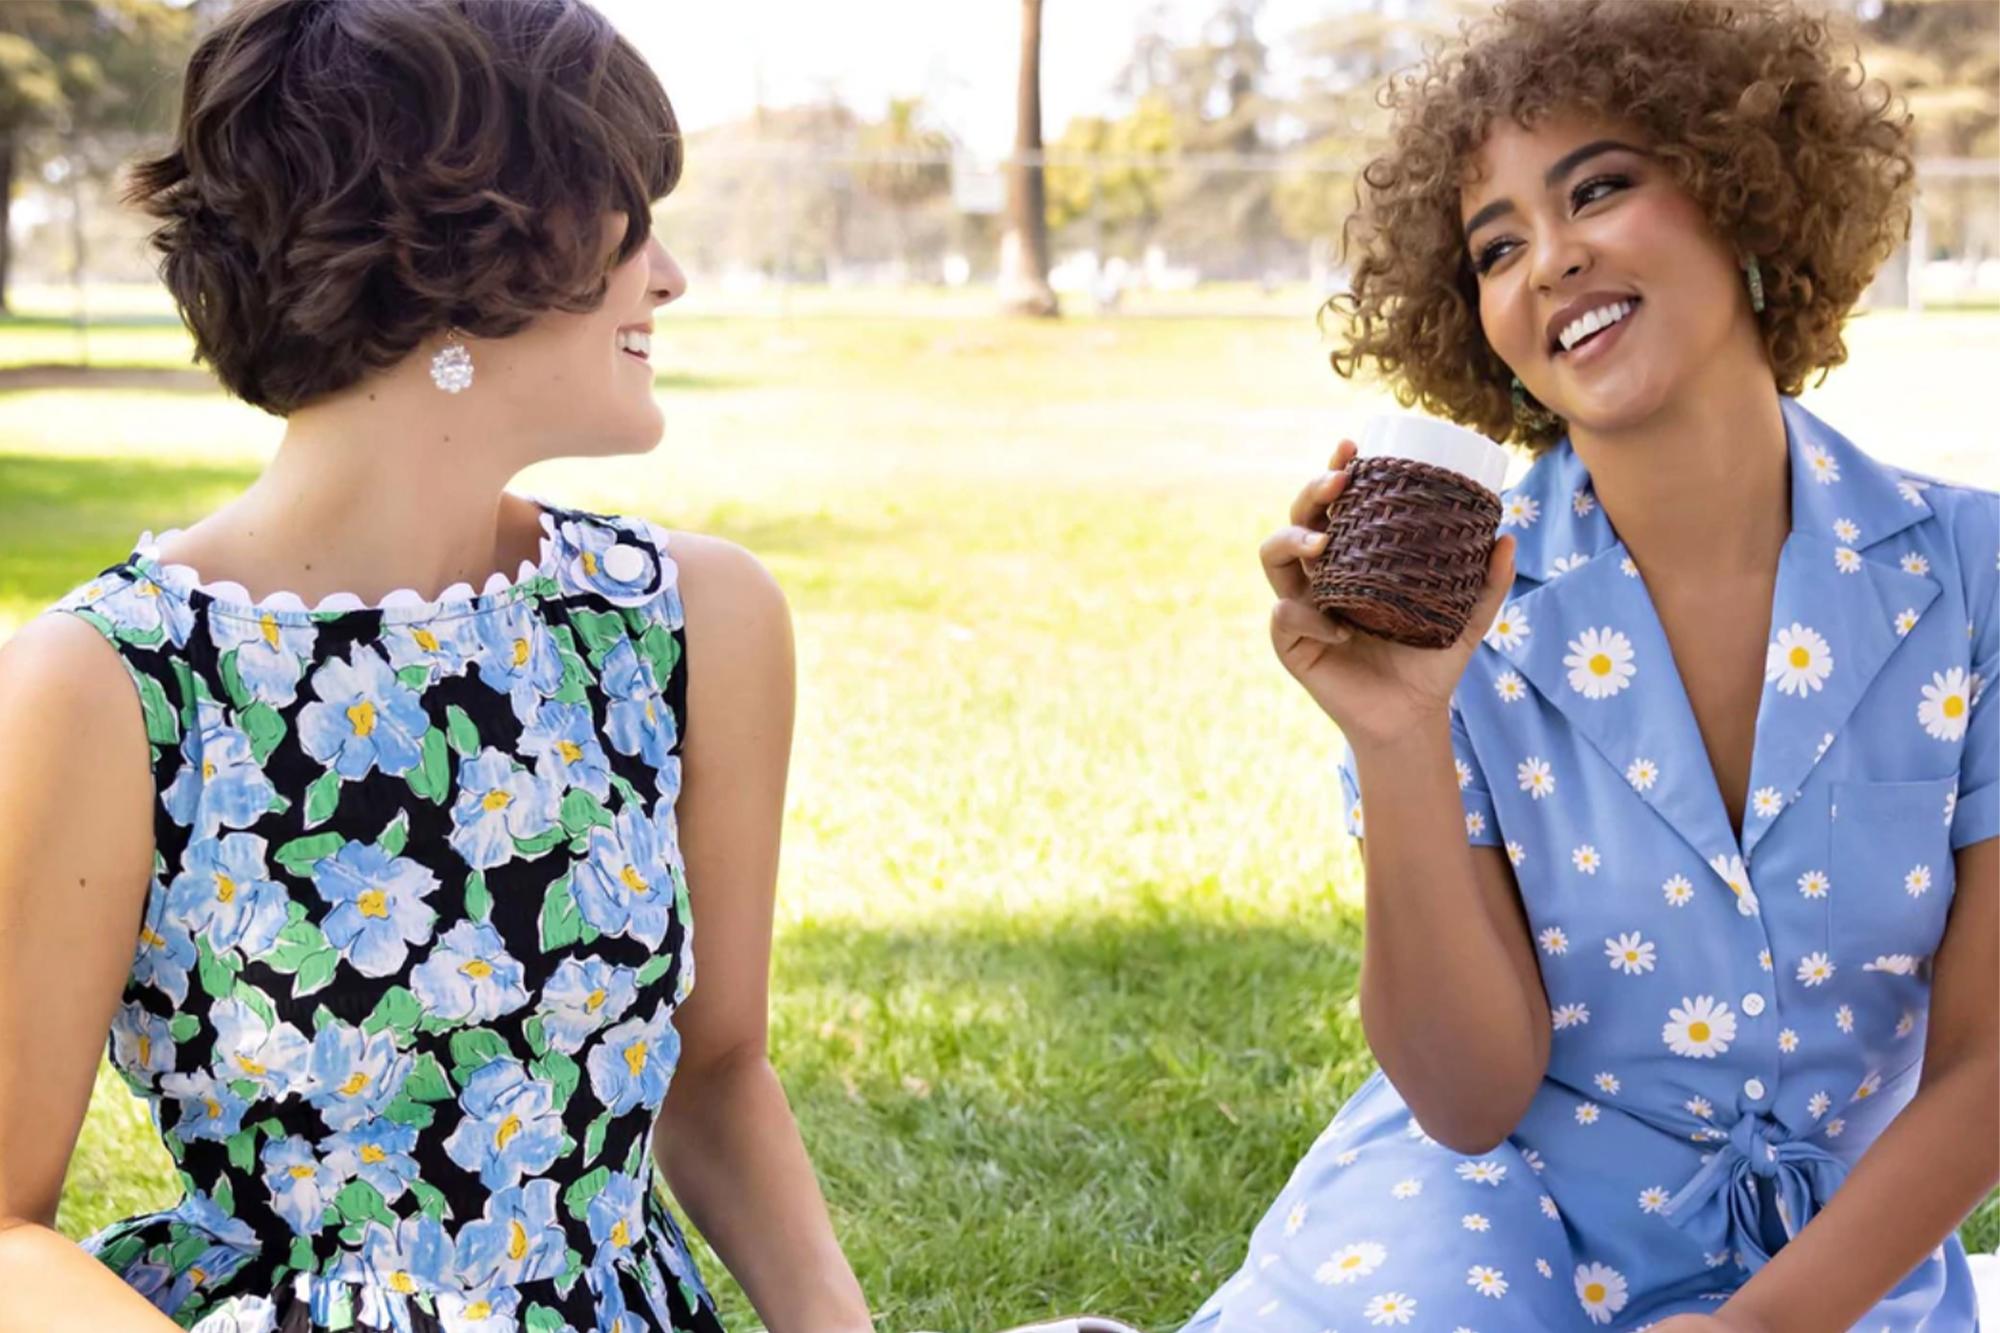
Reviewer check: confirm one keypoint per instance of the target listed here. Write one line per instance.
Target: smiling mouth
(1581, 332)
(636, 343)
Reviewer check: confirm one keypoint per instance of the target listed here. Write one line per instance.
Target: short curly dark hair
(1758, 112)
(349, 177)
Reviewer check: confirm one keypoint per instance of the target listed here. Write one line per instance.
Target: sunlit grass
(1067, 923)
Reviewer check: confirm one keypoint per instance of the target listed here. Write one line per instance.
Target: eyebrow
(1565, 164)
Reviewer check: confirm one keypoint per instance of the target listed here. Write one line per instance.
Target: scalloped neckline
(229, 597)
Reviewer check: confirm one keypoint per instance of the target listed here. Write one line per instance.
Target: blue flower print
(364, 718)
(487, 1311)
(139, 608)
(235, 1241)
(469, 977)
(632, 1065)
(667, 779)
(617, 1217)
(209, 1109)
(519, 1238)
(416, 1256)
(562, 740)
(377, 1151)
(626, 885)
(220, 781)
(157, 1283)
(498, 803)
(353, 1074)
(445, 645)
(517, 657)
(227, 895)
(141, 1040)
(301, 1185)
(634, 718)
(379, 908)
(622, 572)
(273, 1056)
(511, 1126)
(270, 656)
(166, 951)
(582, 996)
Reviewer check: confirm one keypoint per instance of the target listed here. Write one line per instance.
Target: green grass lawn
(1068, 926)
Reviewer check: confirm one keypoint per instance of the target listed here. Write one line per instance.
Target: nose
(1558, 257)
(667, 283)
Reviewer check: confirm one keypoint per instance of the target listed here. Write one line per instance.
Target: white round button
(624, 563)
(1753, 1004)
(1753, 1088)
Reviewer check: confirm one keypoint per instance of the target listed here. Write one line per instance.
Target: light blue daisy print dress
(1736, 1020)
(402, 1000)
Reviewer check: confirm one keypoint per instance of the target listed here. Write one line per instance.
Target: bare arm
(727, 1141)
(76, 855)
(1934, 1162)
(1451, 996)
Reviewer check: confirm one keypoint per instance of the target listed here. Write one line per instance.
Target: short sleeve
(1976, 816)
(1482, 828)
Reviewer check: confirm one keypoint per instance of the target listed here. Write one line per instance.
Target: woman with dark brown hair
(1683, 884)
(372, 815)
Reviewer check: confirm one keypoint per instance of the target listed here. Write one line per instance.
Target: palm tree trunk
(1024, 250)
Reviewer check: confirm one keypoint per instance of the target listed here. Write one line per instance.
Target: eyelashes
(1582, 196)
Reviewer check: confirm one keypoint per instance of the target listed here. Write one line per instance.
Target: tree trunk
(6, 200)
(1024, 250)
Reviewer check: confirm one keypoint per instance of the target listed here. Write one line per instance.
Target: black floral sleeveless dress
(402, 1004)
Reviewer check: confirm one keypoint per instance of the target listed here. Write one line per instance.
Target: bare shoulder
(57, 672)
(730, 598)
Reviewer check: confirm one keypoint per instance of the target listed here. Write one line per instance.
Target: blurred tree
(908, 166)
(80, 81)
(1123, 198)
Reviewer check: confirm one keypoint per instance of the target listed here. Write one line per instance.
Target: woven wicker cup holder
(1406, 552)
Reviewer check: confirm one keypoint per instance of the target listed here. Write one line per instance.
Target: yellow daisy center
(1954, 705)
(1600, 664)
(1800, 658)
(1593, 1292)
(1698, 1031)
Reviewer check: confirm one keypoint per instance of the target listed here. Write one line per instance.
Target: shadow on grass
(64, 519)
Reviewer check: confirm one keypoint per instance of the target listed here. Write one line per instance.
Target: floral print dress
(402, 1005)
(1736, 1018)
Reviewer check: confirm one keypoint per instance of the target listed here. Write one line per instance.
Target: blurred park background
(1001, 352)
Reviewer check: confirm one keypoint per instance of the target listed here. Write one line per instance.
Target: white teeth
(635, 340)
(1578, 329)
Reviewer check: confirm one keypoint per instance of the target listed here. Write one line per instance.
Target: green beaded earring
(1530, 418)
(1754, 274)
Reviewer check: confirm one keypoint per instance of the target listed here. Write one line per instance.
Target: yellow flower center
(362, 715)
(1698, 1031)
(1800, 658)
(1954, 705)
(373, 902)
(425, 640)
(372, 1154)
(145, 1050)
(517, 1240)
(152, 937)
(635, 1057)
(496, 800)
(478, 1310)
(619, 1235)
(633, 880)
(207, 769)
(355, 1083)
(1593, 1292)
(214, 1108)
(1600, 664)
(520, 651)
(301, 1172)
(401, 1281)
(250, 1066)
(570, 751)
(478, 969)
(225, 888)
(267, 624)
(508, 1129)
(596, 1000)
(590, 562)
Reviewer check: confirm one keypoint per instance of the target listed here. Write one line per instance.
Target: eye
(1596, 188)
(1492, 253)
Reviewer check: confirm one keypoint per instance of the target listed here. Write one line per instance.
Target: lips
(1586, 304)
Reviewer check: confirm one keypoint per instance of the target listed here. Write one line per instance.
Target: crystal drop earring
(451, 368)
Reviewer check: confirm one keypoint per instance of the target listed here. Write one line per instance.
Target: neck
(1700, 493)
(391, 484)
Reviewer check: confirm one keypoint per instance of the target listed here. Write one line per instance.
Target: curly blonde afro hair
(1759, 113)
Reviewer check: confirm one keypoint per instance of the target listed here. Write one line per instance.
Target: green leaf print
(634, 1155)
(630, 793)
(395, 834)
(150, 638)
(264, 727)
(472, 1050)
(163, 726)
(561, 1071)
(302, 1255)
(322, 798)
(583, 1189)
(119, 1255)
(593, 1138)
(571, 1270)
(224, 1195)
(541, 842)
(416, 676)
(246, 1088)
(407, 1112)
(654, 968)
(297, 942)
(601, 630)
(243, 1149)
(300, 855)
(360, 1201)
(315, 971)
(256, 1001)
(430, 1199)
(397, 1009)
(429, 778)
(218, 974)
(541, 1319)
(478, 902)
(427, 1082)
(538, 1040)
(186, 1246)
(183, 1026)
(464, 736)
(582, 811)
(232, 680)
(561, 922)
(662, 652)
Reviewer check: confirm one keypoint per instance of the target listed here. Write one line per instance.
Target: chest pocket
(1891, 869)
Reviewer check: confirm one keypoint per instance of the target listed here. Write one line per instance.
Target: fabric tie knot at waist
(1766, 1184)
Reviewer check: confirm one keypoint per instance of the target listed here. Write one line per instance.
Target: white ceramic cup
(1426, 439)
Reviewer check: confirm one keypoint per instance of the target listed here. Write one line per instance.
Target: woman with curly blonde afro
(1681, 864)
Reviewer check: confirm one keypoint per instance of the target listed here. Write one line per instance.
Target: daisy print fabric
(1736, 1016)
(402, 1003)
